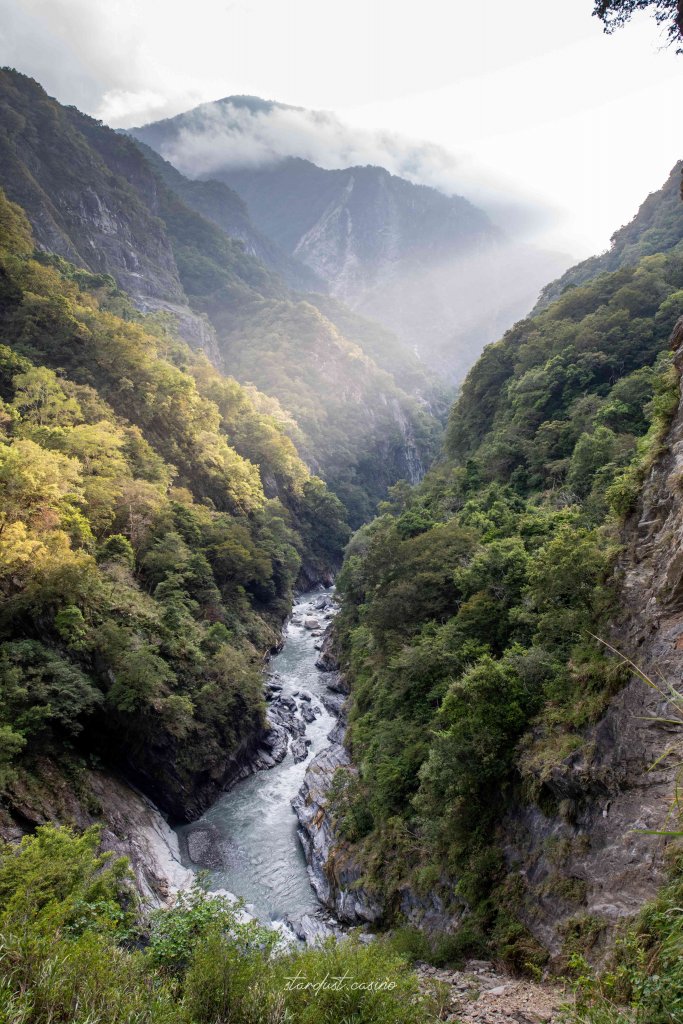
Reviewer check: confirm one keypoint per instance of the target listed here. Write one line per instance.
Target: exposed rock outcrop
(131, 825)
(314, 928)
(327, 660)
(334, 877)
(481, 994)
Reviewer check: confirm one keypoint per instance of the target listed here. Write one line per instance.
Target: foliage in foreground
(70, 954)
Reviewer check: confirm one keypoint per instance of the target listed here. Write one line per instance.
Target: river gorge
(247, 841)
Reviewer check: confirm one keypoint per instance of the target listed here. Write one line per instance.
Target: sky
(527, 108)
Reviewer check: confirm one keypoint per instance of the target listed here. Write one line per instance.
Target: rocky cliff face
(92, 199)
(334, 872)
(595, 863)
(583, 851)
(430, 267)
(188, 249)
(218, 203)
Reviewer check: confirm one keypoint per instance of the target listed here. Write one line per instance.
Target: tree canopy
(669, 13)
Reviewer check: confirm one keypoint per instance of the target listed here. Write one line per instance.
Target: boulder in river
(313, 929)
(275, 741)
(299, 750)
(206, 847)
(327, 660)
(311, 623)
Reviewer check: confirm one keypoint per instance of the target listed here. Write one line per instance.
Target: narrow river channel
(253, 826)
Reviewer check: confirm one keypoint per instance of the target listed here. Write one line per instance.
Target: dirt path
(479, 994)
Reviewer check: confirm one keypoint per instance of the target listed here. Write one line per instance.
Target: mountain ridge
(421, 262)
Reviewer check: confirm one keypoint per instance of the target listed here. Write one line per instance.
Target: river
(262, 858)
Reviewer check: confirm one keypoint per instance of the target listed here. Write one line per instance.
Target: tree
(40, 398)
(615, 13)
(33, 480)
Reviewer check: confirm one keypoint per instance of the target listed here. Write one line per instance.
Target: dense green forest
(144, 571)
(157, 516)
(469, 603)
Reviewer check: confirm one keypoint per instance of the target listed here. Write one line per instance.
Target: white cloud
(232, 135)
(527, 99)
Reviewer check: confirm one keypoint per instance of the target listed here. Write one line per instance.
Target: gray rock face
(92, 198)
(334, 702)
(131, 826)
(299, 750)
(334, 878)
(327, 660)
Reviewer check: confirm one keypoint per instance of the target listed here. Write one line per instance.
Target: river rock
(336, 734)
(307, 714)
(327, 659)
(311, 623)
(304, 695)
(313, 929)
(299, 750)
(204, 847)
(334, 702)
(275, 740)
(286, 719)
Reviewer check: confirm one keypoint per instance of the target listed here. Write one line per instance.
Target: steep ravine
(591, 863)
(247, 836)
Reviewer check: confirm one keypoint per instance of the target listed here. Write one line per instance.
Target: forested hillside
(470, 604)
(154, 517)
(93, 198)
(218, 203)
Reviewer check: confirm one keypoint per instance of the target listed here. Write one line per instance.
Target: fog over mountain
(241, 132)
(419, 258)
